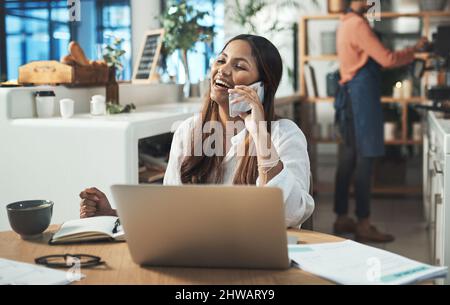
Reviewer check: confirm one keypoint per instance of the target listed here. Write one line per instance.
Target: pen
(116, 225)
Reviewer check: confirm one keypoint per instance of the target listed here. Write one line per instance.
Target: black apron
(363, 93)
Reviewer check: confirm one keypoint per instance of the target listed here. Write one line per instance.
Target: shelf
(402, 142)
(330, 57)
(327, 99)
(384, 99)
(418, 14)
(333, 57)
(324, 141)
(385, 15)
(411, 100)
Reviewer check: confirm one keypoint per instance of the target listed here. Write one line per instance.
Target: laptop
(204, 226)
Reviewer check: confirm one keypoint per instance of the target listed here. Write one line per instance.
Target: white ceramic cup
(407, 87)
(98, 97)
(389, 131)
(45, 106)
(417, 131)
(397, 92)
(66, 107)
(98, 105)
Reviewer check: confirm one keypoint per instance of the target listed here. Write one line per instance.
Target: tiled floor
(399, 215)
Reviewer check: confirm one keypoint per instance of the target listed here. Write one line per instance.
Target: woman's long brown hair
(208, 169)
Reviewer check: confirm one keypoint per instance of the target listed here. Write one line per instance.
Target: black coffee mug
(30, 218)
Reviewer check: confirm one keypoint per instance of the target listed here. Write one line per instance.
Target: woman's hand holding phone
(269, 163)
(251, 97)
(236, 107)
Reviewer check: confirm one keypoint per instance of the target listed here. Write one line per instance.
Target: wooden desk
(120, 269)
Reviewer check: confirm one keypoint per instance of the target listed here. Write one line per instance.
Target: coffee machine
(439, 50)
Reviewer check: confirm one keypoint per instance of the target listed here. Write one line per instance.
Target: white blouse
(290, 144)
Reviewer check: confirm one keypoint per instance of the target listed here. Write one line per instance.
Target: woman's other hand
(94, 203)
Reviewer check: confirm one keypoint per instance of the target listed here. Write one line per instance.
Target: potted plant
(112, 54)
(182, 30)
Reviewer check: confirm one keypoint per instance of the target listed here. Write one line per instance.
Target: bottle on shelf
(112, 87)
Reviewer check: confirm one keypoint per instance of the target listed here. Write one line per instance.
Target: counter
(436, 188)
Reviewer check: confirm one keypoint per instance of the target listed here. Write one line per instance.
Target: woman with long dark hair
(252, 148)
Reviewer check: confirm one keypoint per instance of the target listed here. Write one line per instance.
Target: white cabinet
(436, 188)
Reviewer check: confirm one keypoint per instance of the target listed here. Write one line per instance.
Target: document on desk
(18, 273)
(352, 263)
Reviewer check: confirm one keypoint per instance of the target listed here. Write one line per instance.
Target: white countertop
(141, 114)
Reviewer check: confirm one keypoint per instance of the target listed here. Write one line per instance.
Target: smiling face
(234, 66)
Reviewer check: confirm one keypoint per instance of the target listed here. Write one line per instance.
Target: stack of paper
(16, 273)
(352, 263)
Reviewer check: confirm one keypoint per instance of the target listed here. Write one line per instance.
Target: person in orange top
(359, 116)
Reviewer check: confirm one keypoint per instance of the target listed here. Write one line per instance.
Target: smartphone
(244, 106)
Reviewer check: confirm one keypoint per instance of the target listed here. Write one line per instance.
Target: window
(40, 30)
(35, 30)
(114, 21)
(200, 58)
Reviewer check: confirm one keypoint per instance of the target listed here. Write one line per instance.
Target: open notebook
(89, 229)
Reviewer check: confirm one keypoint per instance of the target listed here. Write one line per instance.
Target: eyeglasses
(69, 260)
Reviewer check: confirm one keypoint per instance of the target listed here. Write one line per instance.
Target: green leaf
(112, 53)
(182, 29)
